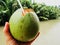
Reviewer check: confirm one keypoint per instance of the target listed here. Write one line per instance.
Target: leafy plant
(46, 12)
(8, 7)
(6, 10)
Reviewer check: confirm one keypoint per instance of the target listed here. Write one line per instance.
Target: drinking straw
(20, 5)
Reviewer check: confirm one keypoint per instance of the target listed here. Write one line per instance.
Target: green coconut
(24, 28)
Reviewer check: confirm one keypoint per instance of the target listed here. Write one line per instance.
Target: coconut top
(26, 10)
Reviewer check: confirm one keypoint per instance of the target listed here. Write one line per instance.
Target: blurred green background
(44, 12)
(49, 28)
